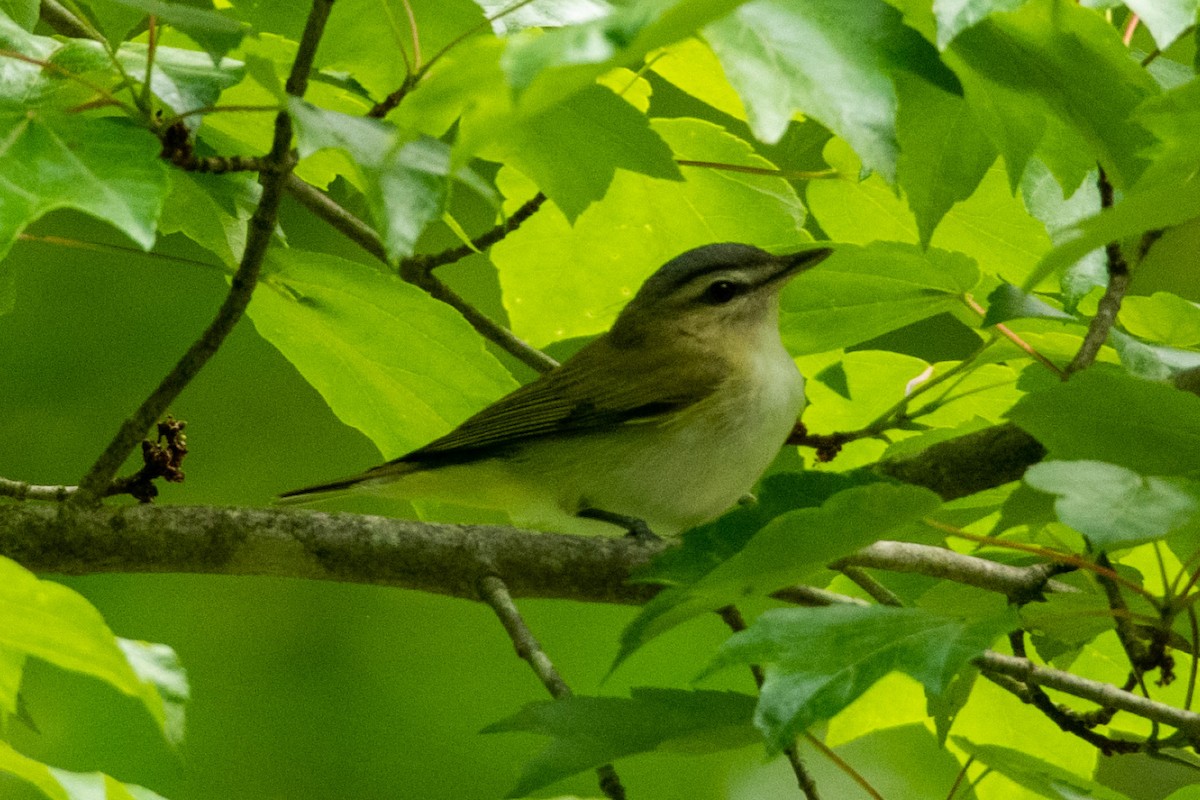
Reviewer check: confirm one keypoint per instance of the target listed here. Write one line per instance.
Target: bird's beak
(794, 263)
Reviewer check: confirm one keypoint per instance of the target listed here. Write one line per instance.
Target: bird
(658, 425)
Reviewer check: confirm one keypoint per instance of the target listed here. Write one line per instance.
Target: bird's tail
(336, 488)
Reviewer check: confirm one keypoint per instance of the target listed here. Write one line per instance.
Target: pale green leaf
(102, 167)
(158, 665)
(590, 731)
(12, 666)
(573, 149)
(859, 293)
(1008, 302)
(390, 360)
(562, 281)
(209, 28)
(1047, 779)
(1152, 362)
(1104, 415)
(1166, 19)
(1113, 506)
(955, 16)
(827, 59)
(1163, 317)
(1044, 197)
(818, 660)
(183, 79)
(692, 66)
(211, 210)
(509, 18)
(51, 622)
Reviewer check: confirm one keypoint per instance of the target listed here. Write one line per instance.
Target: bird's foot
(635, 527)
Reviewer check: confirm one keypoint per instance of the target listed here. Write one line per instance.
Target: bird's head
(713, 293)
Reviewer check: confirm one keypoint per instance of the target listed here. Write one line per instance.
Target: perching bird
(667, 419)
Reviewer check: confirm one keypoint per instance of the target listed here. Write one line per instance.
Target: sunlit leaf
(1047, 779)
(1008, 302)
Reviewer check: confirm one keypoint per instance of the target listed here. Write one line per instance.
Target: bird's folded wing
(593, 391)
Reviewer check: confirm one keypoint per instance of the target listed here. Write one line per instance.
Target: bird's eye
(720, 292)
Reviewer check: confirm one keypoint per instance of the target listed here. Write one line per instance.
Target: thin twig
(958, 779)
(415, 268)
(881, 594)
(1195, 658)
(1130, 27)
(116, 249)
(734, 621)
(151, 51)
(1114, 293)
(1103, 694)
(494, 592)
(19, 490)
(844, 766)
(50, 66)
(361, 234)
(261, 227)
(1012, 336)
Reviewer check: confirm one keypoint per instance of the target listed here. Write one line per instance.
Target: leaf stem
(65, 73)
(791, 175)
(844, 766)
(1013, 337)
(151, 50)
(958, 779)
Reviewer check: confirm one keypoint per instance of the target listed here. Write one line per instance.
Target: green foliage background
(949, 148)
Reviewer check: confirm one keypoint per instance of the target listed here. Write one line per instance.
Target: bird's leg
(637, 528)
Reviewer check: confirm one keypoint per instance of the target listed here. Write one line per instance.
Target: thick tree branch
(494, 592)
(361, 234)
(94, 484)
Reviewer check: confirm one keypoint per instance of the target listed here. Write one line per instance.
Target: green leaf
(212, 30)
(1166, 19)
(590, 731)
(1104, 415)
(405, 179)
(599, 262)
(943, 152)
(1163, 317)
(573, 149)
(1044, 199)
(183, 79)
(12, 667)
(991, 226)
(507, 18)
(1008, 302)
(547, 68)
(1172, 118)
(1152, 362)
(1113, 506)
(692, 67)
(158, 665)
(859, 293)
(787, 550)
(390, 360)
(1036, 775)
(819, 660)
(955, 16)
(1050, 63)
(211, 210)
(825, 58)
(51, 622)
(22, 12)
(102, 167)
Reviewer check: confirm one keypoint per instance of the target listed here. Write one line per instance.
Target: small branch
(19, 490)
(1019, 584)
(361, 234)
(63, 21)
(733, 620)
(1103, 694)
(958, 779)
(151, 50)
(258, 239)
(1012, 336)
(844, 766)
(968, 464)
(1130, 27)
(1114, 293)
(418, 267)
(882, 595)
(493, 591)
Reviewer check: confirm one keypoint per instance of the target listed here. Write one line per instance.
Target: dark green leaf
(818, 660)
(590, 731)
(787, 550)
(22, 12)
(183, 79)
(955, 16)
(572, 150)
(859, 293)
(211, 210)
(1008, 302)
(103, 167)
(1036, 775)
(390, 360)
(212, 30)
(1113, 506)
(767, 50)
(1052, 62)
(943, 152)
(1104, 415)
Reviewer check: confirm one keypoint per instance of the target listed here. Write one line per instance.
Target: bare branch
(1103, 694)
(493, 591)
(261, 227)
(414, 268)
(361, 234)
